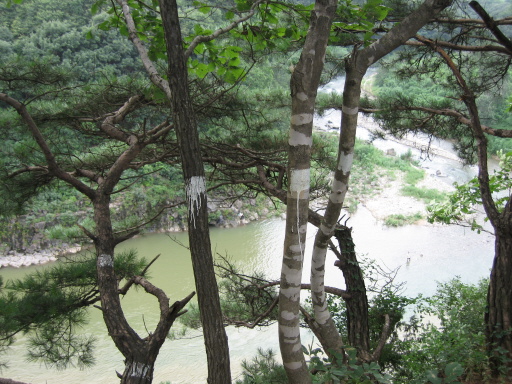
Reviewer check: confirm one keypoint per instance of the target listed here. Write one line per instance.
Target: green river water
(436, 254)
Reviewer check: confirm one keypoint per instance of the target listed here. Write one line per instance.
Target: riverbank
(36, 248)
(386, 200)
(18, 260)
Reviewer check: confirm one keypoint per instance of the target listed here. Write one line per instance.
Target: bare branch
(150, 67)
(258, 319)
(492, 26)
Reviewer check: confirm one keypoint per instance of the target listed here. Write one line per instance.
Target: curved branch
(202, 39)
(468, 48)
(384, 336)
(150, 67)
(108, 125)
(492, 26)
(506, 133)
(53, 167)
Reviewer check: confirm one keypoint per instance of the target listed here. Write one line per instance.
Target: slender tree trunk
(498, 317)
(356, 66)
(216, 342)
(304, 84)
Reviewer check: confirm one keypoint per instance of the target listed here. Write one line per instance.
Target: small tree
(96, 177)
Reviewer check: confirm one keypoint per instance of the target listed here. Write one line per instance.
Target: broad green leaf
(95, 8)
(105, 26)
(200, 49)
(235, 61)
(205, 9)
(431, 377)
(201, 70)
(123, 30)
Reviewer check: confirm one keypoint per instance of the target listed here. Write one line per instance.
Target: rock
(391, 152)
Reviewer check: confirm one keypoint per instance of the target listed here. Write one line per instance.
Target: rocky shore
(17, 260)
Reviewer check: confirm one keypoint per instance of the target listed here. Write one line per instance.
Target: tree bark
(357, 303)
(498, 317)
(303, 85)
(356, 66)
(215, 338)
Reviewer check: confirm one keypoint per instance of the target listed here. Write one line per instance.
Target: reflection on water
(436, 253)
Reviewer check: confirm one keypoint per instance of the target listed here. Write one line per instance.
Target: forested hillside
(69, 45)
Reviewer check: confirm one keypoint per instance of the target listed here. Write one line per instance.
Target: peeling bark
(303, 84)
(356, 67)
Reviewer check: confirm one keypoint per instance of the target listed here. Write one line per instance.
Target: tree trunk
(118, 328)
(303, 85)
(357, 303)
(356, 66)
(216, 342)
(498, 317)
(136, 372)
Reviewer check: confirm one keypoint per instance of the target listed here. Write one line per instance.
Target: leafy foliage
(351, 372)
(463, 205)
(50, 305)
(446, 336)
(263, 369)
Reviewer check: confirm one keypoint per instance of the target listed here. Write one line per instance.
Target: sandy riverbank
(388, 199)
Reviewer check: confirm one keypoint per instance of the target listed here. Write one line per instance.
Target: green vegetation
(463, 206)
(372, 165)
(263, 369)
(54, 302)
(442, 343)
(426, 194)
(423, 90)
(399, 220)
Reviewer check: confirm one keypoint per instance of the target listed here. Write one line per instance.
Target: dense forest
(127, 117)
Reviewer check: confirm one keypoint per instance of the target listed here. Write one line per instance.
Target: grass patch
(428, 195)
(399, 220)
(414, 175)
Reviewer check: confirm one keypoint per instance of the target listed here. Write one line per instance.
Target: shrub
(446, 331)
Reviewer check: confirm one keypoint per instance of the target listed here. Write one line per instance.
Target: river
(436, 253)
(423, 254)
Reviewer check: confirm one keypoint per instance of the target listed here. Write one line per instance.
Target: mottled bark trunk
(304, 84)
(356, 67)
(136, 372)
(326, 329)
(217, 350)
(357, 304)
(499, 300)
